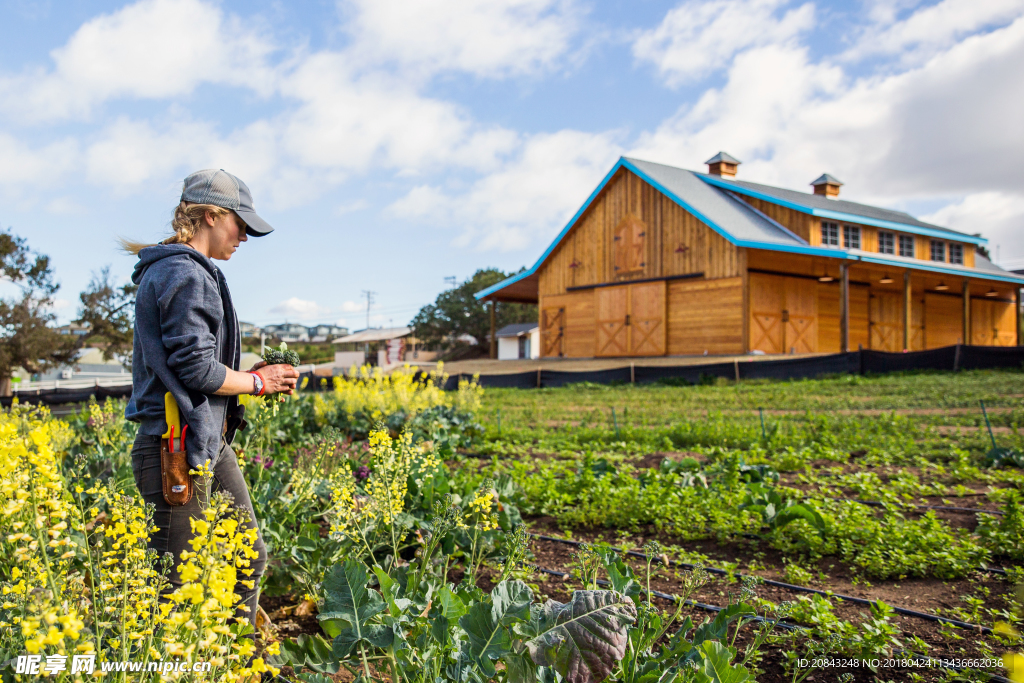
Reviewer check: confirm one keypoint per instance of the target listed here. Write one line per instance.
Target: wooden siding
(705, 315)
(803, 224)
(674, 241)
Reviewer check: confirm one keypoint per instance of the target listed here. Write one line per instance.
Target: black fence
(53, 397)
(950, 358)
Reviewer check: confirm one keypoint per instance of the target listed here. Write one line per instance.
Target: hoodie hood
(150, 255)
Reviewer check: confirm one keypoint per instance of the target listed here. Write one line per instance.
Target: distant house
(323, 333)
(89, 363)
(665, 261)
(288, 332)
(74, 329)
(248, 329)
(382, 346)
(520, 340)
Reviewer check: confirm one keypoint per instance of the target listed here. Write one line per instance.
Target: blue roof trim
(945, 270)
(671, 195)
(843, 216)
(771, 246)
(547, 252)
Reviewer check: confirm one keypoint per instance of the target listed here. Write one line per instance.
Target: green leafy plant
(280, 356)
(778, 511)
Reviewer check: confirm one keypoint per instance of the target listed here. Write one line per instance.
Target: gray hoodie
(186, 332)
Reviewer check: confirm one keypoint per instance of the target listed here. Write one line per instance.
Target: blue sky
(394, 143)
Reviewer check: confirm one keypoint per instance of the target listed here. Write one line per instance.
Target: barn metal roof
(375, 334)
(713, 201)
(839, 209)
(516, 330)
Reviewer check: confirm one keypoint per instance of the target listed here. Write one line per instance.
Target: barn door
(767, 300)
(646, 319)
(1004, 323)
(992, 323)
(552, 331)
(885, 311)
(612, 334)
(800, 316)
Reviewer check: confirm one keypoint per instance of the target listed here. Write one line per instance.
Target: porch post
(967, 312)
(494, 332)
(907, 311)
(1020, 318)
(844, 307)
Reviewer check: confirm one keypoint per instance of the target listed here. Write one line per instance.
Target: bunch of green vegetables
(280, 356)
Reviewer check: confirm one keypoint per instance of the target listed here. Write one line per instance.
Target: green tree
(109, 313)
(27, 336)
(456, 312)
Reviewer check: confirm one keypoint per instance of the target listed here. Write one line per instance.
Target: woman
(187, 343)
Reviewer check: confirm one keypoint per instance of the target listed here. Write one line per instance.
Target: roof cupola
(723, 164)
(827, 186)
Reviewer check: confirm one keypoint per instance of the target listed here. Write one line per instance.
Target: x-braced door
(612, 309)
(552, 331)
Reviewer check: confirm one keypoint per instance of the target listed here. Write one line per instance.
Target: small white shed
(521, 340)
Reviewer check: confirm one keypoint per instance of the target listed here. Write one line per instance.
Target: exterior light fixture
(991, 292)
(826, 278)
(886, 280)
(941, 287)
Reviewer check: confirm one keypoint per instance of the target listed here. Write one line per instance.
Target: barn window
(829, 234)
(851, 236)
(886, 243)
(630, 242)
(956, 254)
(938, 250)
(907, 246)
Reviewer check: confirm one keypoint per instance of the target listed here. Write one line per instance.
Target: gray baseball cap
(220, 188)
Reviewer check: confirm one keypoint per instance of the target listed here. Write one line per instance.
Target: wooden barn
(664, 261)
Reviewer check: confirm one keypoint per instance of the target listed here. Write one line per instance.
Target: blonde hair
(187, 221)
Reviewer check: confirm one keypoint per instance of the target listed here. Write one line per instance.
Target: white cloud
(352, 306)
(24, 165)
(928, 30)
(529, 198)
(701, 36)
(147, 50)
(939, 131)
(491, 38)
(352, 121)
(997, 215)
(296, 309)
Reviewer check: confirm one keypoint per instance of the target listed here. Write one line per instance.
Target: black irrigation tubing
(758, 619)
(876, 503)
(673, 598)
(788, 586)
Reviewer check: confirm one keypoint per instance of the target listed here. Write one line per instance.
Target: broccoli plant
(280, 356)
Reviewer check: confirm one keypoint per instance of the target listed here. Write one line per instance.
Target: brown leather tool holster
(174, 472)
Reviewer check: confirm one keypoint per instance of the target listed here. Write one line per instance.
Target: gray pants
(175, 531)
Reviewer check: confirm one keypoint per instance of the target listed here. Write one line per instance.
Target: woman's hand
(277, 379)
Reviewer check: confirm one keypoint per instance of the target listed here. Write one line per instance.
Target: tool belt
(177, 482)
